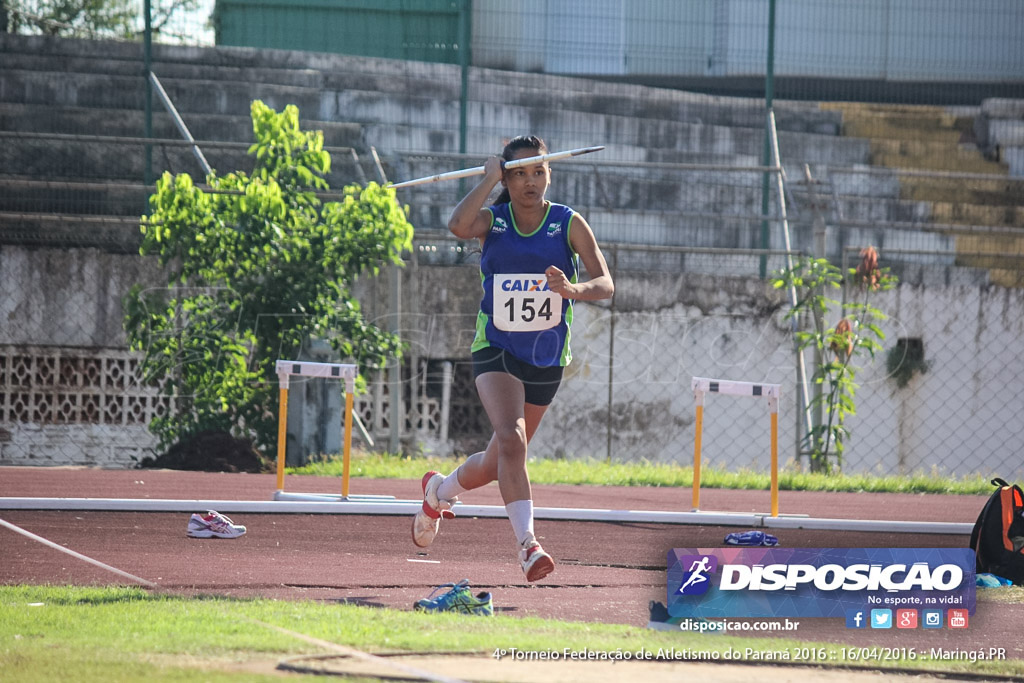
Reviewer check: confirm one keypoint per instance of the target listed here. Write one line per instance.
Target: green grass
(601, 473)
(103, 634)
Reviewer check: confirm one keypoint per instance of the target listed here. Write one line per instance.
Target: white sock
(520, 514)
(450, 487)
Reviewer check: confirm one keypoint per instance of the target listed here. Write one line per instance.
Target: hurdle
(704, 385)
(286, 369)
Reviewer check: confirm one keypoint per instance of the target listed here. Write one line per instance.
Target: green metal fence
(420, 30)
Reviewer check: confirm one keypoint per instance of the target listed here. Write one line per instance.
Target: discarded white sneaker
(213, 525)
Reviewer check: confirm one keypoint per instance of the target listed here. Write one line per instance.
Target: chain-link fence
(945, 394)
(941, 396)
(892, 129)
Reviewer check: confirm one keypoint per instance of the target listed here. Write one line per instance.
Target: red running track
(607, 572)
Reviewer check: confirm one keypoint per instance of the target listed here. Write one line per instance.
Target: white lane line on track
(80, 556)
(341, 649)
(424, 561)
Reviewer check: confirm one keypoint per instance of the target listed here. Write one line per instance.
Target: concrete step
(1001, 255)
(906, 122)
(100, 83)
(91, 51)
(384, 113)
(64, 49)
(676, 156)
(875, 199)
(934, 156)
(667, 195)
(625, 139)
(42, 118)
(326, 71)
(998, 246)
(934, 138)
(873, 209)
(673, 229)
(926, 212)
(858, 180)
(883, 237)
(68, 158)
(1004, 192)
(107, 159)
(75, 63)
(19, 195)
(110, 234)
(930, 138)
(193, 98)
(977, 214)
(639, 102)
(359, 78)
(128, 92)
(616, 188)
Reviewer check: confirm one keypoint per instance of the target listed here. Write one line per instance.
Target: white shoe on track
(213, 525)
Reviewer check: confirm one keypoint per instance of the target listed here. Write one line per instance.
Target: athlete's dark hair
(531, 142)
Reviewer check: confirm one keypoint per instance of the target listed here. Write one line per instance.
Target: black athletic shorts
(541, 383)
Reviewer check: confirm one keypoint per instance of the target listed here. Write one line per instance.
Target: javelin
(479, 170)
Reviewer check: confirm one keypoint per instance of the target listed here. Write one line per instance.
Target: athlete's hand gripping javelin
(466, 221)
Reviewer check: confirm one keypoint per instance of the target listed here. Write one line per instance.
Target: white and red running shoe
(428, 518)
(535, 562)
(213, 525)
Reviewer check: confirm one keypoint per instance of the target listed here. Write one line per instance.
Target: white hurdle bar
(285, 370)
(704, 385)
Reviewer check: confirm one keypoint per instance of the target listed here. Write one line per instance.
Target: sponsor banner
(817, 582)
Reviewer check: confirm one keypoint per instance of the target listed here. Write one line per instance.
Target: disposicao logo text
(816, 582)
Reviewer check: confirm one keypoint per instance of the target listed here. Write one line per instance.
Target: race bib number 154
(522, 302)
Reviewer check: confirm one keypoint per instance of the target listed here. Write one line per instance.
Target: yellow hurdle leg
(696, 455)
(775, 464)
(348, 443)
(282, 435)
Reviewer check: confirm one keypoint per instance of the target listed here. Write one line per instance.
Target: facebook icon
(855, 618)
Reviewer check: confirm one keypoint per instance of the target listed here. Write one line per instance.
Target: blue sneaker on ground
(459, 599)
(751, 538)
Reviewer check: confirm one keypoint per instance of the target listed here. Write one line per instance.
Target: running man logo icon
(696, 581)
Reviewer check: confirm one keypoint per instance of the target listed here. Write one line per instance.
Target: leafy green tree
(855, 334)
(113, 18)
(256, 267)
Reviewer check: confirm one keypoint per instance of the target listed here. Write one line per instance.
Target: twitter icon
(881, 618)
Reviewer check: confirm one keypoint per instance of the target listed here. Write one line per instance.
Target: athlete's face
(527, 184)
